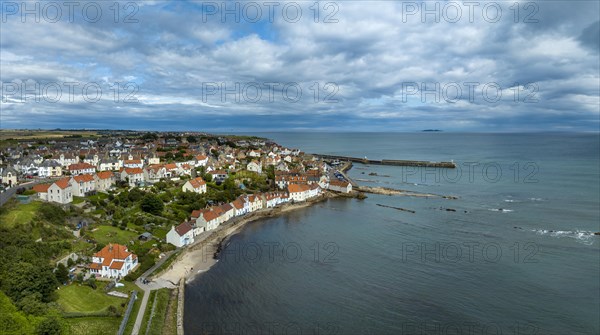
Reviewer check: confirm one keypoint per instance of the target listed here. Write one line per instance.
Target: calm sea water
(513, 255)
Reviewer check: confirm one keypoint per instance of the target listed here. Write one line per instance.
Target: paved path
(153, 285)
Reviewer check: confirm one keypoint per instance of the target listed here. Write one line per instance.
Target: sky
(240, 66)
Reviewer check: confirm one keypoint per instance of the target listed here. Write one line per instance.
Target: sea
(515, 253)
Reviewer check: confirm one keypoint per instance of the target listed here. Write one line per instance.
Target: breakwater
(395, 162)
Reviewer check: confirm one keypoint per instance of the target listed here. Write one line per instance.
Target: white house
(240, 206)
(60, 191)
(272, 199)
(254, 153)
(255, 202)
(197, 185)
(340, 186)
(227, 212)
(298, 192)
(113, 261)
(68, 159)
(81, 168)
(218, 175)
(181, 235)
(201, 160)
(82, 184)
(9, 176)
(133, 163)
(49, 168)
(110, 164)
(210, 219)
(42, 191)
(104, 180)
(154, 173)
(254, 166)
(135, 175)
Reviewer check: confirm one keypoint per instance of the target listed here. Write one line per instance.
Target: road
(153, 285)
(9, 192)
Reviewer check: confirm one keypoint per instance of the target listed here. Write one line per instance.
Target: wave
(586, 237)
(536, 199)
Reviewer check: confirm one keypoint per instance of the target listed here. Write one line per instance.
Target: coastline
(198, 257)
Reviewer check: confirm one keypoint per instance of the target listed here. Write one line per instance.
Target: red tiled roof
(183, 228)
(238, 204)
(84, 178)
(339, 183)
(104, 174)
(197, 182)
(296, 188)
(113, 251)
(117, 265)
(131, 171)
(41, 188)
(63, 183)
(210, 215)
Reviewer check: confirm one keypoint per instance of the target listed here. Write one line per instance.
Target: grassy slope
(17, 214)
(76, 298)
(108, 234)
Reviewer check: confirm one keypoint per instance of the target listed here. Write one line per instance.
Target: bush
(52, 213)
(50, 326)
(152, 204)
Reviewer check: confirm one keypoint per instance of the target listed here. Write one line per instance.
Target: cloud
(173, 66)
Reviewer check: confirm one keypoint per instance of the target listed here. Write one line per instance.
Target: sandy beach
(198, 257)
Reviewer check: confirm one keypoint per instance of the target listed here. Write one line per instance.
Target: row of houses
(63, 190)
(210, 218)
(57, 167)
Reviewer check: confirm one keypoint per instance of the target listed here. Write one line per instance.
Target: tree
(27, 279)
(61, 273)
(92, 282)
(191, 139)
(135, 194)
(152, 204)
(80, 278)
(32, 304)
(49, 326)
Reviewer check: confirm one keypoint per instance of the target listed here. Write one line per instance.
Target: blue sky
(264, 66)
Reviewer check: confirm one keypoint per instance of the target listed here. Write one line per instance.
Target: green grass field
(93, 325)
(108, 234)
(156, 319)
(16, 214)
(84, 299)
(78, 200)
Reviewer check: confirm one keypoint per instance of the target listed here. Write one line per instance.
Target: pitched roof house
(197, 185)
(113, 261)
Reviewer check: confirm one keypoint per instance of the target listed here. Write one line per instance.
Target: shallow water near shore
(516, 255)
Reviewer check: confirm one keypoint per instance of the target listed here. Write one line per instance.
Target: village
(133, 199)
